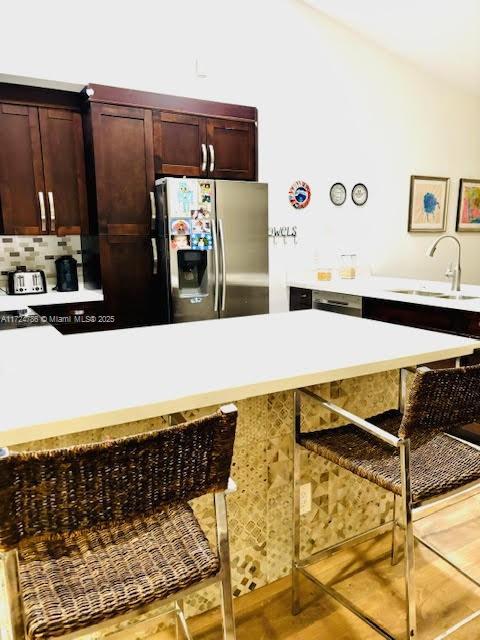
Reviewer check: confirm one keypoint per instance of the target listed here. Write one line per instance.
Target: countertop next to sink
(14, 303)
(380, 288)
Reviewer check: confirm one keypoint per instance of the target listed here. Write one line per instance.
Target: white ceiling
(441, 36)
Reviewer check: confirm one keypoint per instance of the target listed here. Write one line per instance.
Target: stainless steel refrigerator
(212, 243)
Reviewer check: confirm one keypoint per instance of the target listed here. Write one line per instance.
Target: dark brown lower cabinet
(411, 315)
(75, 317)
(300, 299)
(464, 323)
(129, 284)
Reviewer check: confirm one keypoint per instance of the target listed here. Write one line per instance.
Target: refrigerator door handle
(153, 208)
(215, 257)
(212, 157)
(204, 157)
(155, 256)
(224, 266)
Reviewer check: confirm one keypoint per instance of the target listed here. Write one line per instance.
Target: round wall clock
(359, 194)
(338, 194)
(299, 194)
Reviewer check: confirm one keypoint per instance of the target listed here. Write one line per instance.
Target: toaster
(22, 282)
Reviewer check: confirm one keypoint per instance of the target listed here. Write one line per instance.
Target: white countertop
(14, 303)
(381, 288)
(107, 378)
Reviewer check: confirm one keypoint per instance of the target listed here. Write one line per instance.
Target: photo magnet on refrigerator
(180, 226)
(186, 196)
(202, 241)
(201, 225)
(180, 242)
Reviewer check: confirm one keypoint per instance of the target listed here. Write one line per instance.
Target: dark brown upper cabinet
(231, 149)
(22, 186)
(195, 146)
(64, 170)
(122, 144)
(42, 171)
(180, 144)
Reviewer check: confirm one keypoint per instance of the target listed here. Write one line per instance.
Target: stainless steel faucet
(455, 274)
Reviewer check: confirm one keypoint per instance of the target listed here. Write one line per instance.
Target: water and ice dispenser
(192, 273)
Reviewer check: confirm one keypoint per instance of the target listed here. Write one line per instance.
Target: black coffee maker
(67, 277)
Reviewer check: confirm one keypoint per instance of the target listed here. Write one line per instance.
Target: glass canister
(348, 266)
(322, 271)
(324, 274)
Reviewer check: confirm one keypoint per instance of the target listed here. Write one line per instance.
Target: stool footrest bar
(440, 555)
(458, 625)
(349, 605)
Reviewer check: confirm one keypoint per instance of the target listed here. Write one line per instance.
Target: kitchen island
(131, 374)
(90, 387)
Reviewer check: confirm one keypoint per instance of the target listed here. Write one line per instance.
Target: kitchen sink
(421, 292)
(434, 294)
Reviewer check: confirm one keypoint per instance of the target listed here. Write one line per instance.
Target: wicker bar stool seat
(438, 463)
(77, 580)
(95, 534)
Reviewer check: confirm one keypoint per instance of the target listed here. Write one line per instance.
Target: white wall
(332, 108)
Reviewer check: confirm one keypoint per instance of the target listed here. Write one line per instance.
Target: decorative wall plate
(299, 194)
(359, 194)
(338, 194)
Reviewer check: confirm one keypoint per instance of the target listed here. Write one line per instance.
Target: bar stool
(409, 452)
(93, 534)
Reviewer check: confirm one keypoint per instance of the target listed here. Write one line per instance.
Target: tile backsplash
(38, 252)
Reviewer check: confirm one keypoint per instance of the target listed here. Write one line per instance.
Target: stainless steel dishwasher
(344, 303)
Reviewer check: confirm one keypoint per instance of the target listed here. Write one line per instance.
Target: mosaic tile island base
(260, 511)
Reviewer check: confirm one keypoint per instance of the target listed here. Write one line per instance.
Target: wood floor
(364, 573)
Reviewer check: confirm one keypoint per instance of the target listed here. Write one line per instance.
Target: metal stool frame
(404, 523)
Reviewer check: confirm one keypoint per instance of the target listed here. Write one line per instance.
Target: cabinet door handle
(155, 256)
(204, 157)
(153, 207)
(52, 211)
(43, 215)
(212, 157)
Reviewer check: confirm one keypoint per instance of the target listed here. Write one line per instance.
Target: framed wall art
(428, 204)
(468, 208)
